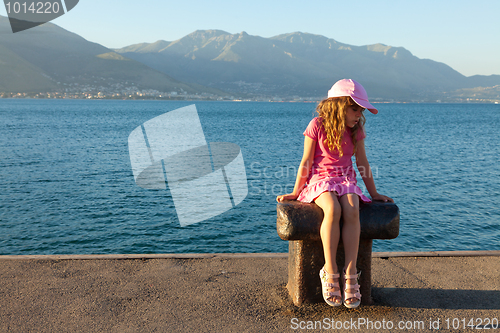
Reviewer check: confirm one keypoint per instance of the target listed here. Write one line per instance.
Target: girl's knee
(333, 214)
(330, 205)
(350, 207)
(350, 214)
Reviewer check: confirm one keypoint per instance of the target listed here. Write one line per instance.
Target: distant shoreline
(193, 98)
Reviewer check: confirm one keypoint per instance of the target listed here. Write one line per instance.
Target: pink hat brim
(365, 104)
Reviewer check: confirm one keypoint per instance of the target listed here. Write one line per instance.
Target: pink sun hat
(348, 87)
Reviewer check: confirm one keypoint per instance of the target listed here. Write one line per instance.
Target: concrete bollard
(299, 223)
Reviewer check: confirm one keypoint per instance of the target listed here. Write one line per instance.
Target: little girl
(327, 177)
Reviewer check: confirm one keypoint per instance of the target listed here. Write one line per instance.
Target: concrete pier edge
(235, 292)
(237, 255)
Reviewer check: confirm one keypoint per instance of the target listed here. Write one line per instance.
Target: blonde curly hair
(332, 112)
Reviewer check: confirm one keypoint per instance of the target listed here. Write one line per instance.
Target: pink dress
(329, 172)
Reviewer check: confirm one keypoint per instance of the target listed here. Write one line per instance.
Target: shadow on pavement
(437, 298)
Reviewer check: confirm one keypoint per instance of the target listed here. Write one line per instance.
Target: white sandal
(354, 287)
(326, 286)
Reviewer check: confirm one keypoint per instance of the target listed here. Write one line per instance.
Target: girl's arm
(366, 173)
(303, 171)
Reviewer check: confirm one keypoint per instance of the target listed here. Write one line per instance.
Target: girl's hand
(289, 196)
(380, 197)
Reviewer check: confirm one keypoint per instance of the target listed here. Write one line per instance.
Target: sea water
(67, 187)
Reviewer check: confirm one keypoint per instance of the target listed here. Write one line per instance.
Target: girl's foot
(352, 297)
(331, 288)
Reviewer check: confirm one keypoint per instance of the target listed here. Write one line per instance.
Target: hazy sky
(462, 34)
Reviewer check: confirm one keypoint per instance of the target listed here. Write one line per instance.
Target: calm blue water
(67, 186)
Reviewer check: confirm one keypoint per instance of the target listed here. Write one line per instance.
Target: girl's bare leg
(351, 230)
(330, 231)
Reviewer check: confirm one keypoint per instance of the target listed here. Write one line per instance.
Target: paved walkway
(239, 293)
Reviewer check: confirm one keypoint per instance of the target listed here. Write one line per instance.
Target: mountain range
(300, 64)
(49, 58)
